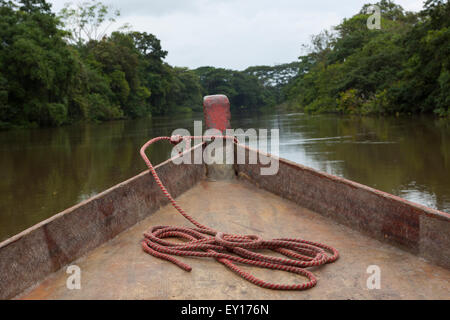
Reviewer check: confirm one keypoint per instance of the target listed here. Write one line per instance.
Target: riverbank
(292, 106)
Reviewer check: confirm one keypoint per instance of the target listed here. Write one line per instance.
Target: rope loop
(229, 249)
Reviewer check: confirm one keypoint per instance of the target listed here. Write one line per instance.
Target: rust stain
(57, 256)
(107, 208)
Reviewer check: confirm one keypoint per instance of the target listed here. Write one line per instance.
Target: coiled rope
(203, 241)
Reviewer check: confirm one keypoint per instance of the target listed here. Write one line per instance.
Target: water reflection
(44, 171)
(409, 157)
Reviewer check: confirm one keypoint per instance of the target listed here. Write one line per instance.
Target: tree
(424, 81)
(36, 65)
(243, 89)
(88, 20)
(402, 68)
(149, 46)
(274, 80)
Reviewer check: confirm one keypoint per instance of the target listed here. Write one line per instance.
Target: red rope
(203, 241)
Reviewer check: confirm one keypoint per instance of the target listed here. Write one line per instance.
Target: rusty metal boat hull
(409, 243)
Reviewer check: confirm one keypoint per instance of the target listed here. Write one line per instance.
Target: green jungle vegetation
(401, 68)
(63, 68)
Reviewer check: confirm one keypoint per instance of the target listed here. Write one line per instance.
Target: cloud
(235, 33)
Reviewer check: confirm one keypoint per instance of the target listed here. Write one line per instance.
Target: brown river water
(44, 171)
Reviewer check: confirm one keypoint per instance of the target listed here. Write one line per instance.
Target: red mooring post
(216, 109)
(217, 112)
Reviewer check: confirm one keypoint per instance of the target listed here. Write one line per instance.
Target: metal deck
(119, 269)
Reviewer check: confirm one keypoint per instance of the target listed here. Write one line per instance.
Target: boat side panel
(30, 256)
(412, 227)
(435, 240)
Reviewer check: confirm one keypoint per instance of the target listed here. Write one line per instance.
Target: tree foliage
(37, 68)
(401, 68)
(61, 69)
(247, 90)
(274, 79)
(88, 20)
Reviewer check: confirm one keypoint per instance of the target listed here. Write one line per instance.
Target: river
(44, 171)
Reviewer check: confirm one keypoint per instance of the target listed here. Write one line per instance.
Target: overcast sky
(234, 34)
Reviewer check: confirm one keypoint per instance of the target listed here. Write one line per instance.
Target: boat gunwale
(429, 211)
(99, 195)
(412, 227)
